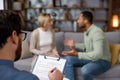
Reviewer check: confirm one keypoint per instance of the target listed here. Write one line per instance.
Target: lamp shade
(115, 21)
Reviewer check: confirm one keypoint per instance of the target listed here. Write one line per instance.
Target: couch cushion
(24, 64)
(59, 41)
(113, 37)
(77, 37)
(114, 72)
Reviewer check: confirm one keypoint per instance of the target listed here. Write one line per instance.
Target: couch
(113, 37)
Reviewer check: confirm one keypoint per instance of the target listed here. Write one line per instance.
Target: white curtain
(1, 4)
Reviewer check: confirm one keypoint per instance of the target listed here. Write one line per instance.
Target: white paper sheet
(43, 66)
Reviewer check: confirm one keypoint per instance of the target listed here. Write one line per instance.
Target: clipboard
(45, 63)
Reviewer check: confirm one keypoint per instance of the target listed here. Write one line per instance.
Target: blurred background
(65, 12)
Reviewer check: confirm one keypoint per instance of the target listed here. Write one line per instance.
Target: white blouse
(42, 41)
(45, 40)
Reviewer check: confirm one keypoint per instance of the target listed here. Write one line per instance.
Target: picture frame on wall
(40, 3)
(75, 13)
(32, 14)
(31, 25)
(101, 15)
(64, 25)
(92, 3)
(57, 3)
(56, 14)
(71, 3)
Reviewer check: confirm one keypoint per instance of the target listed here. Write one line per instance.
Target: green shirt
(95, 44)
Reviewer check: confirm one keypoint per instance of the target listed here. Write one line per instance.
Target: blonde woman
(43, 38)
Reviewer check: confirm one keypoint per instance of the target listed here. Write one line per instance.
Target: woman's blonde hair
(43, 19)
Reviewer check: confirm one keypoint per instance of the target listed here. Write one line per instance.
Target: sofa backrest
(59, 41)
(113, 37)
(77, 37)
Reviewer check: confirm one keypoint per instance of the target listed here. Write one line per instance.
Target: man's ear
(85, 21)
(14, 37)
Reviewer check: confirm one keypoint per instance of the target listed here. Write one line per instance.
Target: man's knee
(85, 71)
(69, 59)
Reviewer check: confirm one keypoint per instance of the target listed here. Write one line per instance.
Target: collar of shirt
(7, 63)
(89, 29)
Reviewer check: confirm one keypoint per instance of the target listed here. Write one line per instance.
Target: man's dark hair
(88, 15)
(9, 21)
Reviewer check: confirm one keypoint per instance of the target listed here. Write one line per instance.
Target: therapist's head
(10, 35)
(45, 21)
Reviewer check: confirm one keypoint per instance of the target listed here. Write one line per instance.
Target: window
(1, 4)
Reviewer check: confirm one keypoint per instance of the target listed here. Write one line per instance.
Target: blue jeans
(88, 68)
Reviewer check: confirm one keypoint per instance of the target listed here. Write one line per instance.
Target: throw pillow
(114, 49)
(119, 58)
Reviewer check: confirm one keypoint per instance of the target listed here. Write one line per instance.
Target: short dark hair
(9, 21)
(88, 15)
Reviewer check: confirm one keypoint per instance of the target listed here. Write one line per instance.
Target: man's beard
(81, 26)
(18, 51)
